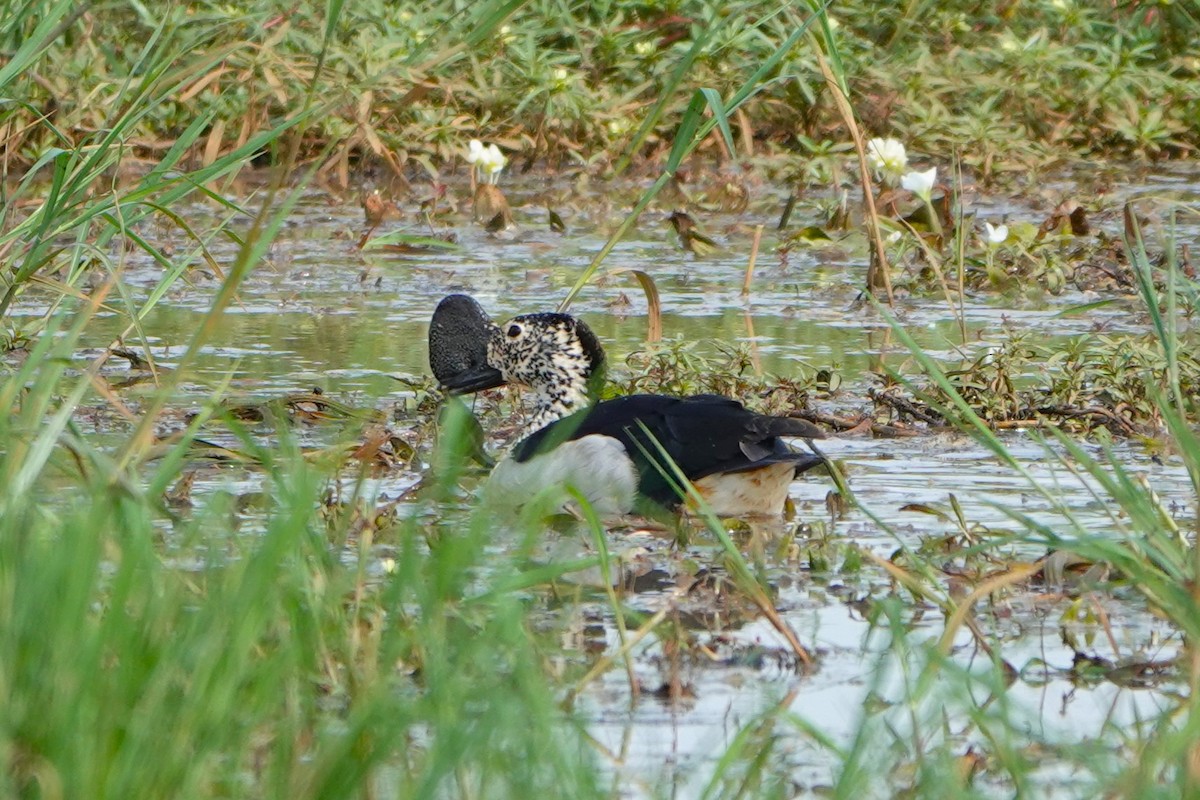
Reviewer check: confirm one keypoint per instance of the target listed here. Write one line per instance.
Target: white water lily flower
(888, 158)
(475, 151)
(920, 183)
(492, 161)
(996, 234)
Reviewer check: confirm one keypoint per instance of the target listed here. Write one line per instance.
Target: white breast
(596, 466)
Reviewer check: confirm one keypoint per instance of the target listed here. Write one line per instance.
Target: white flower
(892, 237)
(645, 48)
(492, 161)
(475, 151)
(920, 183)
(888, 158)
(619, 127)
(488, 158)
(996, 234)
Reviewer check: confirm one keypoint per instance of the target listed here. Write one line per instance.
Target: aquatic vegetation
(1005, 90)
(1142, 546)
(995, 234)
(920, 183)
(888, 158)
(1094, 381)
(489, 159)
(220, 576)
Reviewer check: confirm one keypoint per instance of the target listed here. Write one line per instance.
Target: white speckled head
(555, 355)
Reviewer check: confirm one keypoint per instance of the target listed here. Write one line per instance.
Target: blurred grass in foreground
(266, 665)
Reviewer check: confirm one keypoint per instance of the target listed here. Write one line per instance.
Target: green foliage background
(1019, 82)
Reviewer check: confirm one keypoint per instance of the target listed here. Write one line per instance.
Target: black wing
(703, 435)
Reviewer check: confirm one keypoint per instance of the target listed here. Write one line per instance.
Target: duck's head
(555, 355)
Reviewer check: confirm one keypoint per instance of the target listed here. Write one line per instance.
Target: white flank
(596, 466)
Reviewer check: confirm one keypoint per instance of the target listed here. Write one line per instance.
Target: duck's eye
(514, 331)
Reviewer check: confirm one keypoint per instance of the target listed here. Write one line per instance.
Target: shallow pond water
(320, 313)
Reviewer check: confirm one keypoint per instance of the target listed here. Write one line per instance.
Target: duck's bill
(473, 379)
(458, 336)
